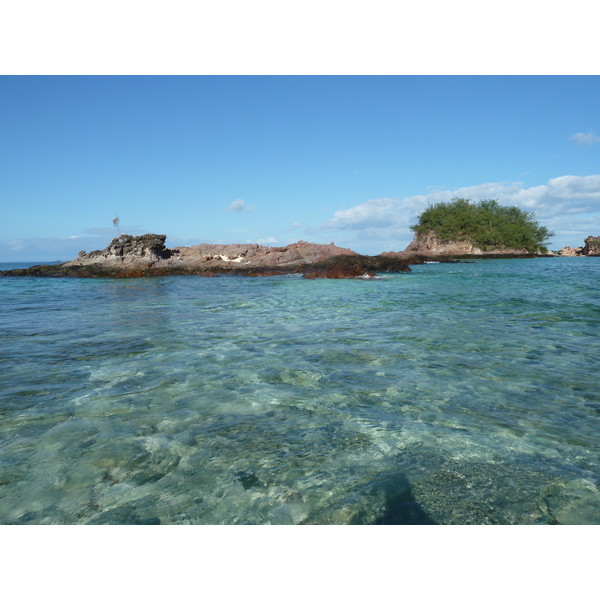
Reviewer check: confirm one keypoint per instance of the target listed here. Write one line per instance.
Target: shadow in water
(400, 506)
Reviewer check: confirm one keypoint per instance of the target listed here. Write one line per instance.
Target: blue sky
(276, 159)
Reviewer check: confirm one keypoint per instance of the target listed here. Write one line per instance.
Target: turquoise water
(455, 394)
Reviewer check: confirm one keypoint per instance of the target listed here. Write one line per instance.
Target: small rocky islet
(147, 256)
(591, 247)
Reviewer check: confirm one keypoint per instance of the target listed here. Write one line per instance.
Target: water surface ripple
(455, 394)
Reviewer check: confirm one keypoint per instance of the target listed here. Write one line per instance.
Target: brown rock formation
(431, 245)
(254, 256)
(147, 255)
(592, 246)
(568, 251)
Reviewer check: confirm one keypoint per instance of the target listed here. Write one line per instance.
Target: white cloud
(571, 186)
(239, 206)
(381, 212)
(565, 205)
(585, 139)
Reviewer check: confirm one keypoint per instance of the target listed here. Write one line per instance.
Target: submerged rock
(248, 479)
(333, 271)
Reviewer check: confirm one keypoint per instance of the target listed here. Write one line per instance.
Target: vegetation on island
(484, 224)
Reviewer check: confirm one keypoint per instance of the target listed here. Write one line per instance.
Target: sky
(277, 159)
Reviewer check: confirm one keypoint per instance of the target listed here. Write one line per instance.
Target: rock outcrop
(255, 256)
(150, 247)
(592, 246)
(568, 251)
(147, 255)
(430, 244)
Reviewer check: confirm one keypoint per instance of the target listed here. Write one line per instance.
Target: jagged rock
(149, 246)
(568, 251)
(257, 257)
(592, 246)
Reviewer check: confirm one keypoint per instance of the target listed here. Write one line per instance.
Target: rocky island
(147, 256)
(485, 229)
(591, 247)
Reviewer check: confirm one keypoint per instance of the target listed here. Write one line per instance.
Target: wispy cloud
(585, 139)
(239, 206)
(46, 249)
(263, 242)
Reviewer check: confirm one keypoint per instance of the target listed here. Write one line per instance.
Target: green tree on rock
(485, 224)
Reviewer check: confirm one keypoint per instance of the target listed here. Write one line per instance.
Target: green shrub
(485, 224)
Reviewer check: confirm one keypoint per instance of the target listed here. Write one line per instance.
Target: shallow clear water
(465, 393)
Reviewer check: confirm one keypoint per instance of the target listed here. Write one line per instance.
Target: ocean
(454, 394)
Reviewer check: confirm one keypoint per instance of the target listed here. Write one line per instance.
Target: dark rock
(207, 274)
(262, 272)
(334, 271)
(149, 245)
(248, 479)
(380, 263)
